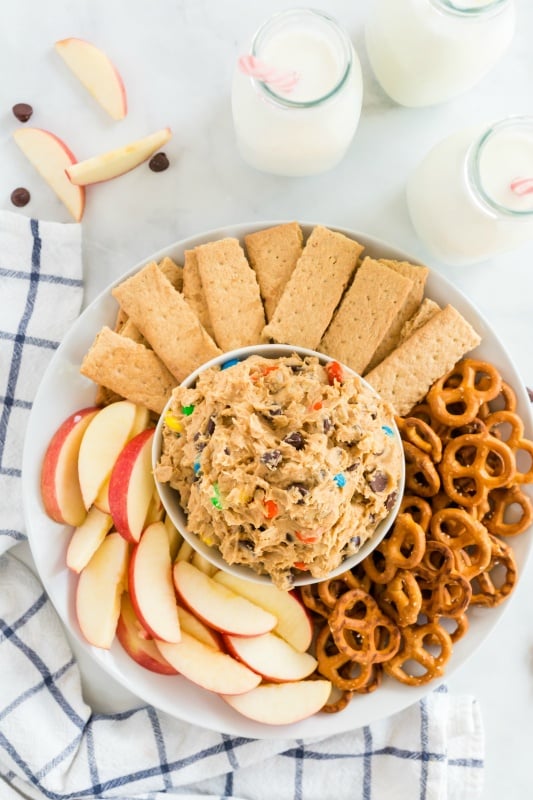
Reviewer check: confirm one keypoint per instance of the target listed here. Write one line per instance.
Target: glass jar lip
(282, 100)
(473, 166)
(472, 11)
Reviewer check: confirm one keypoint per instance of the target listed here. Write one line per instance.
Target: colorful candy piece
(187, 410)
(173, 423)
(231, 363)
(387, 430)
(271, 509)
(334, 372)
(340, 479)
(215, 500)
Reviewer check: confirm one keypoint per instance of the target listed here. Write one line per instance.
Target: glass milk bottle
(304, 128)
(427, 51)
(471, 197)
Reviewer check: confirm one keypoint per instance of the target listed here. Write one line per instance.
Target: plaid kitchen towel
(52, 745)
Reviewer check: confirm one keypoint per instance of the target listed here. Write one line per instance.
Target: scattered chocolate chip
(378, 482)
(391, 499)
(296, 368)
(295, 440)
(22, 111)
(353, 466)
(159, 162)
(355, 541)
(20, 197)
(530, 393)
(210, 427)
(327, 425)
(227, 451)
(271, 458)
(275, 411)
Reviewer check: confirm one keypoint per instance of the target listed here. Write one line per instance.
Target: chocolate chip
(275, 411)
(247, 544)
(271, 458)
(353, 466)
(227, 451)
(530, 393)
(210, 427)
(391, 499)
(20, 197)
(22, 111)
(296, 368)
(159, 162)
(355, 541)
(327, 425)
(302, 490)
(295, 440)
(378, 482)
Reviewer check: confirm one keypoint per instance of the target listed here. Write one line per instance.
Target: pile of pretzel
(403, 607)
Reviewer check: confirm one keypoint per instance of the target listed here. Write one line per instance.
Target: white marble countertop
(176, 57)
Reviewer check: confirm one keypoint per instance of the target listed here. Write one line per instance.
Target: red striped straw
(255, 68)
(522, 186)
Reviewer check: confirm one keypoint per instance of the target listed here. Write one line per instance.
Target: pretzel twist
(456, 398)
(361, 631)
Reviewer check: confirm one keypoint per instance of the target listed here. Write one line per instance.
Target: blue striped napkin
(52, 745)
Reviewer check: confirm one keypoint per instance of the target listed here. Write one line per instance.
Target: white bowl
(170, 497)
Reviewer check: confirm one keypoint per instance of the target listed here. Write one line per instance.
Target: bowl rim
(170, 499)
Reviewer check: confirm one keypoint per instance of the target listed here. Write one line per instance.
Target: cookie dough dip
(282, 464)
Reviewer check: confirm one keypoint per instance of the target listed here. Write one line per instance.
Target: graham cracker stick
(427, 309)
(314, 289)
(231, 292)
(417, 275)
(173, 272)
(365, 315)
(273, 254)
(193, 291)
(129, 369)
(166, 320)
(404, 377)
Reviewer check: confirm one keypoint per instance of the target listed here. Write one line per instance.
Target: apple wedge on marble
(96, 72)
(51, 157)
(116, 162)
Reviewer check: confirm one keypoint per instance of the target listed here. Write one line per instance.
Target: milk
(460, 198)
(425, 52)
(307, 130)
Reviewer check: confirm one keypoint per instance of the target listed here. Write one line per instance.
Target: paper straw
(255, 68)
(522, 186)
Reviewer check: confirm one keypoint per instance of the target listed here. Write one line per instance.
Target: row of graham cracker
(368, 314)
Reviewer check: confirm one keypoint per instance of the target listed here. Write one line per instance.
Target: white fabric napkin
(51, 743)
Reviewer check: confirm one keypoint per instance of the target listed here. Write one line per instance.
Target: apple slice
(106, 435)
(174, 537)
(137, 642)
(60, 486)
(203, 564)
(51, 158)
(101, 500)
(116, 162)
(217, 606)
(294, 624)
(132, 485)
(87, 538)
(271, 656)
(156, 511)
(185, 551)
(151, 587)
(208, 667)
(99, 590)
(191, 625)
(142, 420)
(281, 703)
(94, 69)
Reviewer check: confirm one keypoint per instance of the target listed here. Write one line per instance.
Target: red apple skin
(132, 583)
(137, 643)
(73, 160)
(118, 484)
(68, 435)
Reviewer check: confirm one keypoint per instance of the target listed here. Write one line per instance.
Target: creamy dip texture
(282, 464)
